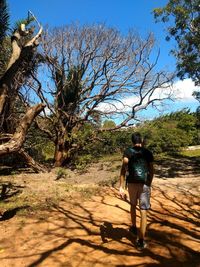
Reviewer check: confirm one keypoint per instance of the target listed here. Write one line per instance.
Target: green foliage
(95, 118)
(5, 53)
(171, 132)
(82, 137)
(89, 147)
(109, 124)
(61, 173)
(123, 139)
(38, 146)
(82, 162)
(185, 29)
(110, 182)
(5, 43)
(4, 20)
(69, 88)
(26, 22)
(110, 143)
(191, 153)
(166, 134)
(196, 94)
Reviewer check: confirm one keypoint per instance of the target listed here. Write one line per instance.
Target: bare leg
(143, 224)
(133, 215)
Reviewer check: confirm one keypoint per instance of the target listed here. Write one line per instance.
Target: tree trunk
(59, 154)
(31, 162)
(18, 69)
(17, 139)
(58, 158)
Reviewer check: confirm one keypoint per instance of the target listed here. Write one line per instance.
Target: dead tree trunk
(24, 43)
(31, 162)
(15, 142)
(17, 139)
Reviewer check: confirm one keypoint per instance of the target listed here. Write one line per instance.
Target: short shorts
(139, 192)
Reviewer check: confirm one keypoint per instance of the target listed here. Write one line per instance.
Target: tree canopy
(183, 17)
(4, 19)
(93, 70)
(171, 132)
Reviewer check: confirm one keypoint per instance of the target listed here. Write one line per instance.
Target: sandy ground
(93, 230)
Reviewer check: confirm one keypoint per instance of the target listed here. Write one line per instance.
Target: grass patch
(61, 173)
(87, 192)
(25, 203)
(29, 202)
(111, 158)
(190, 153)
(111, 182)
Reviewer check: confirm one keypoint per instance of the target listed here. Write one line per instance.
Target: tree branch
(18, 138)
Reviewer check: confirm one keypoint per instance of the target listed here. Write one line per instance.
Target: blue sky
(122, 14)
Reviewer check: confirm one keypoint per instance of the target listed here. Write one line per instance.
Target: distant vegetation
(171, 133)
(191, 153)
(167, 134)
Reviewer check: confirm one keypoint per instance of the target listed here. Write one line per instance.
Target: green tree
(171, 132)
(4, 19)
(5, 42)
(196, 94)
(184, 19)
(109, 124)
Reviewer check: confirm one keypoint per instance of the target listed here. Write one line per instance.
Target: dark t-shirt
(144, 153)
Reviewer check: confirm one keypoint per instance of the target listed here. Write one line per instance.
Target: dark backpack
(138, 167)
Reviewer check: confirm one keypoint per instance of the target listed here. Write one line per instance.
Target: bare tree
(24, 42)
(96, 71)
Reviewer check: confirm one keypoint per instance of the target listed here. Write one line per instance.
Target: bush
(83, 161)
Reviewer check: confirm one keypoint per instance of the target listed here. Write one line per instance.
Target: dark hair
(136, 138)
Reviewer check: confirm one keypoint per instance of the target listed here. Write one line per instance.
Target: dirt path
(94, 232)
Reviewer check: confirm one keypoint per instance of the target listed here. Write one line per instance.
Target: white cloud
(127, 103)
(124, 104)
(183, 90)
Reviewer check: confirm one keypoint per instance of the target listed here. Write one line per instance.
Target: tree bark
(15, 63)
(21, 62)
(16, 141)
(31, 162)
(59, 154)
(59, 158)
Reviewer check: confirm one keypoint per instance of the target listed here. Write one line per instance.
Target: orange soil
(94, 232)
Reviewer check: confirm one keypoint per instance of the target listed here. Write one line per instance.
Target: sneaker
(141, 244)
(133, 230)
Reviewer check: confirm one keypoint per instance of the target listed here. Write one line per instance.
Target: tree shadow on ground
(177, 166)
(9, 214)
(173, 225)
(15, 169)
(8, 190)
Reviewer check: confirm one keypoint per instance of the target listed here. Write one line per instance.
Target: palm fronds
(4, 19)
